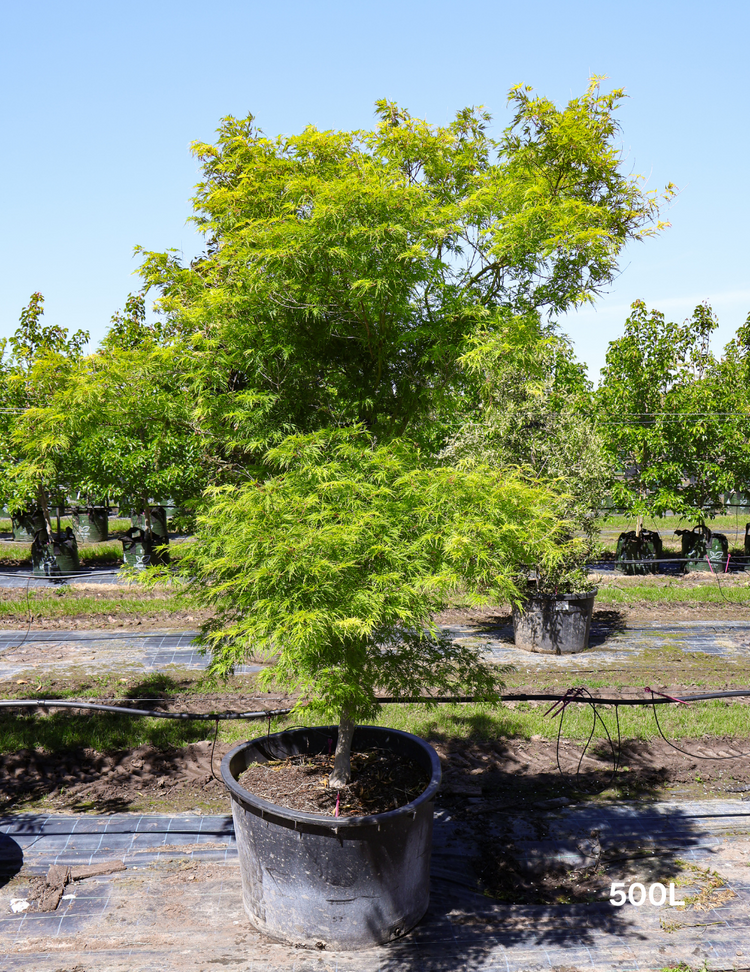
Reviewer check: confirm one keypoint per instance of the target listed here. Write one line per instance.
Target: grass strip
(524, 720)
(66, 602)
(58, 731)
(673, 592)
(112, 686)
(101, 731)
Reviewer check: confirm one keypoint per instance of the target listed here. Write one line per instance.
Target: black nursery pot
(554, 624)
(346, 882)
(91, 525)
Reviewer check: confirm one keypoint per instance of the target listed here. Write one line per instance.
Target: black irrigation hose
(523, 697)
(588, 699)
(213, 747)
(579, 696)
(583, 695)
(153, 714)
(693, 755)
(647, 561)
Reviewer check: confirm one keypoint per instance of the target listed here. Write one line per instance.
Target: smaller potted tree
(533, 419)
(332, 568)
(555, 615)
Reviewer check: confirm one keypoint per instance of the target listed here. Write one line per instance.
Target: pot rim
(268, 810)
(581, 596)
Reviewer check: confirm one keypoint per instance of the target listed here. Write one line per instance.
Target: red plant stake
(338, 798)
(670, 697)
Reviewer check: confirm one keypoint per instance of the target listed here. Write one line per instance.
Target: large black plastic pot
(158, 522)
(704, 550)
(58, 558)
(27, 524)
(638, 553)
(141, 549)
(346, 882)
(91, 525)
(554, 624)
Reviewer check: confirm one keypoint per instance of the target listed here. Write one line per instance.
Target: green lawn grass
(90, 555)
(658, 590)
(67, 602)
(106, 732)
(101, 731)
(523, 720)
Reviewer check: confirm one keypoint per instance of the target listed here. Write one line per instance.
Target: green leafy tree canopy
(333, 567)
(344, 272)
(675, 417)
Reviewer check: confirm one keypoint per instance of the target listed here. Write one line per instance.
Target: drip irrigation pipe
(148, 713)
(386, 700)
(656, 560)
(79, 575)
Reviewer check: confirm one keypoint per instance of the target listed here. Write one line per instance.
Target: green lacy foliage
(333, 568)
(535, 419)
(345, 271)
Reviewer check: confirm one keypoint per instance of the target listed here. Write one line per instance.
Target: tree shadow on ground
(604, 624)
(157, 686)
(519, 869)
(11, 859)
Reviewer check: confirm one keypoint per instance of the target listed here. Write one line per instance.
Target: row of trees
(667, 430)
(79, 428)
(674, 417)
(359, 386)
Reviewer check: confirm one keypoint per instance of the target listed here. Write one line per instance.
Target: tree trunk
(44, 507)
(342, 767)
(639, 526)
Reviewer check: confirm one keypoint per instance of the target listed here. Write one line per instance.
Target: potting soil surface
(380, 782)
(177, 905)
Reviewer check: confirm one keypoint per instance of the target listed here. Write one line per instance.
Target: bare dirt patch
(502, 774)
(144, 779)
(515, 772)
(122, 607)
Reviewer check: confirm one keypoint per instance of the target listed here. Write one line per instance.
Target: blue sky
(100, 103)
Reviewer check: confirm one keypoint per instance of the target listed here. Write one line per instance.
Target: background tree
(534, 417)
(673, 415)
(126, 413)
(35, 470)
